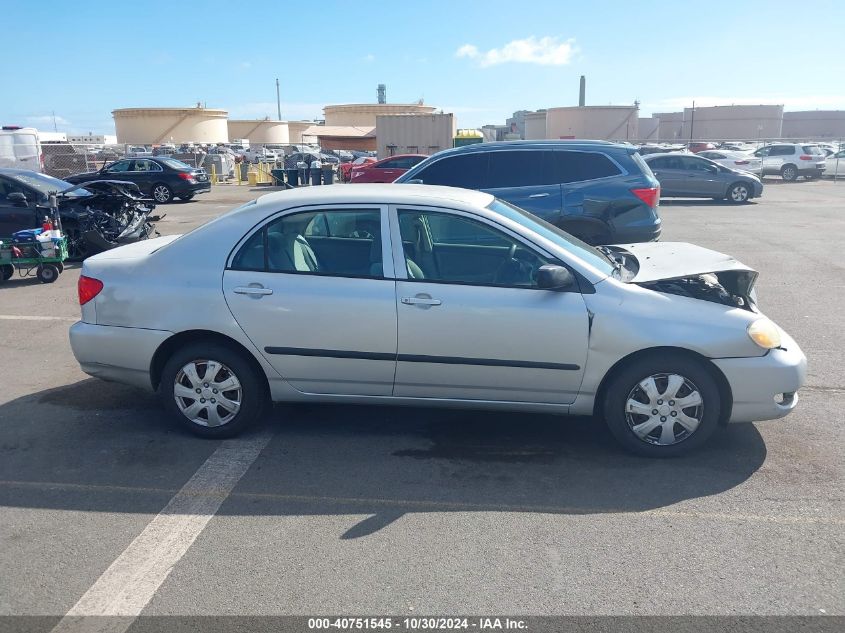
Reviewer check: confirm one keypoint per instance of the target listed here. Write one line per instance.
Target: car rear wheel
(6, 272)
(789, 173)
(212, 389)
(739, 192)
(662, 405)
(162, 193)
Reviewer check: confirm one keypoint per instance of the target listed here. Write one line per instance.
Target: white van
(20, 148)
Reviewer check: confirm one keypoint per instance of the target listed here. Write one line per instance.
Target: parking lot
(360, 510)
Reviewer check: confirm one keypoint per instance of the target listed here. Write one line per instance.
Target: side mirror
(713, 169)
(17, 198)
(554, 277)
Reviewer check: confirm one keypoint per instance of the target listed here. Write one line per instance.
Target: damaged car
(422, 295)
(96, 216)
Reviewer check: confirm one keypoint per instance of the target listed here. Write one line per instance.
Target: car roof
(545, 144)
(649, 157)
(374, 194)
(404, 156)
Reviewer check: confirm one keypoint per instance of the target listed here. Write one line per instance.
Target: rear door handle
(420, 301)
(539, 195)
(257, 291)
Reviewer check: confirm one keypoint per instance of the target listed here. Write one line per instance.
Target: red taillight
(88, 288)
(806, 157)
(649, 195)
(740, 162)
(184, 175)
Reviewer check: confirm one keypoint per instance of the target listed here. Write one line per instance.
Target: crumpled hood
(673, 260)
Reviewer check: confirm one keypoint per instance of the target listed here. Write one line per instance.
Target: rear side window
(782, 150)
(569, 166)
(468, 171)
(812, 149)
(517, 169)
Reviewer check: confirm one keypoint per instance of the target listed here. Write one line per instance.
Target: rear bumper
(116, 354)
(631, 235)
(756, 382)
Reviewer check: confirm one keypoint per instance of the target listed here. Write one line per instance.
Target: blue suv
(601, 192)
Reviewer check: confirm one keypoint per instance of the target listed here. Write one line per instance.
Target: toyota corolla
(426, 295)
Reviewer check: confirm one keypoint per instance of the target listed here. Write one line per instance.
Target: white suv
(790, 160)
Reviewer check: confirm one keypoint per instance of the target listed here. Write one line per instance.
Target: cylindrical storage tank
(295, 130)
(260, 132)
(151, 126)
(364, 114)
(617, 123)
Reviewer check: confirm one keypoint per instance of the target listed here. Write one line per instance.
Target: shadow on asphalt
(95, 446)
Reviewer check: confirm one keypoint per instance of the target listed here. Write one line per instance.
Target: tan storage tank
(260, 131)
(617, 123)
(295, 130)
(151, 126)
(364, 114)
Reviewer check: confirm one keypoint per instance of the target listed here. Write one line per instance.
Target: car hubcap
(207, 393)
(740, 194)
(664, 409)
(788, 174)
(162, 194)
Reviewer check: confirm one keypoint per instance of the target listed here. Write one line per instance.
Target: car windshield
(175, 164)
(561, 238)
(47, 184)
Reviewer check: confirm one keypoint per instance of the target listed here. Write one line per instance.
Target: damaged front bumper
(765, 387)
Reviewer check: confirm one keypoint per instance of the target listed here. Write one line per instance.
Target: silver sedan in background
(690, 176)
(425, 295)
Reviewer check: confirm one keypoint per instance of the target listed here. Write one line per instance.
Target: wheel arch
(725, 393)
(170, 345)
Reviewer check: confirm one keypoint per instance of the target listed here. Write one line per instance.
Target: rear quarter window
(570, 166)
(812, 149)
(468, 171)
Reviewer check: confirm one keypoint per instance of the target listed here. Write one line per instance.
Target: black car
(161, 177)
(101, 215)
(600, 192)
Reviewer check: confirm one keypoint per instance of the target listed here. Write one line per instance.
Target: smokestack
(382, 93)
(582, 92)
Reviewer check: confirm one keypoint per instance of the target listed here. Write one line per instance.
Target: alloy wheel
(207, 392)
(664, 409)
(161, 193)
(739, 193)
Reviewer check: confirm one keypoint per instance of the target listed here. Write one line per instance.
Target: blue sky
(479, 59)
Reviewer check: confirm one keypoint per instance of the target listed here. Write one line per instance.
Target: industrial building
(670, 126)
(171, 125)
(350, 137)
(414, 133)
(589, 122)
(734, 122)
(648, 129)
(364, 115)
(260, 131)
(814, 124)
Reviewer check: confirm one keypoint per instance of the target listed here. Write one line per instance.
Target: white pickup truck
(260, 155)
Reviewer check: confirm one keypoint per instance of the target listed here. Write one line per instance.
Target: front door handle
(539, 195)
(420, 301)
(255, 291)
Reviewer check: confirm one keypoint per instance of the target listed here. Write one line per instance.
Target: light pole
(692, 122)
(278, 101)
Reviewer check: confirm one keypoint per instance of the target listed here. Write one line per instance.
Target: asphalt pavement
(106, 506)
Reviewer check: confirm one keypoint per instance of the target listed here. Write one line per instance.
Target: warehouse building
(814, 124)
(670, 126)
(414, 133)
(593, 122)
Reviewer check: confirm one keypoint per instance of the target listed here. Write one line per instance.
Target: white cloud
(47, 119)
(369, 57)
(544, 51)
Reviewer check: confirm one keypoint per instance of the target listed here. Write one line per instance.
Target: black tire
(77, 249)
(6, 272)
(187, 198)
(739, 193)
(47, 273)
(162, 193)
(253, 396)
(61, 267)
(626, 382)
(789, 173)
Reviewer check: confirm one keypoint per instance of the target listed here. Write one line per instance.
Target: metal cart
(45, 263)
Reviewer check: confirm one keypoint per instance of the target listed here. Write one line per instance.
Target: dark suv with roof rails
(601, 192)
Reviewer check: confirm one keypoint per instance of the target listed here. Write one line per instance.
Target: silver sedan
(424, 295)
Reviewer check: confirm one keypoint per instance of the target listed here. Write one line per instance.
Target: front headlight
(765, 333)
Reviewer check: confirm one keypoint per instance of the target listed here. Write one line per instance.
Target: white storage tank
(152, 126)
(260, 131)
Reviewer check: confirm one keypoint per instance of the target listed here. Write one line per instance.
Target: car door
(144, 173)
(313, 289)
(16, 216)
(578, 173)
(121, 170)
(472, 324)
(704, 179)
(670, 173)
(523, 178)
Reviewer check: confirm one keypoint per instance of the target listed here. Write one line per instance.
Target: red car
(700, 147)
(386, 169)
(345, 169)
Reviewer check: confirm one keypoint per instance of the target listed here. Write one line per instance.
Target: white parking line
(128, 585)
(25, 317)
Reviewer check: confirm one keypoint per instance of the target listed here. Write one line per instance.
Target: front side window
(343, 242)
(516, 169)
(120, 166)
(468, 171)
(145, 165)
(447, 248)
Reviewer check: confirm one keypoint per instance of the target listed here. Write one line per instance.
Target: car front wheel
(212, 389)
(739, 193)
(662, 405)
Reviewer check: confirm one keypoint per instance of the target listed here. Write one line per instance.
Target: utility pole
(55, 129)
(692, 122)
(278, 101)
